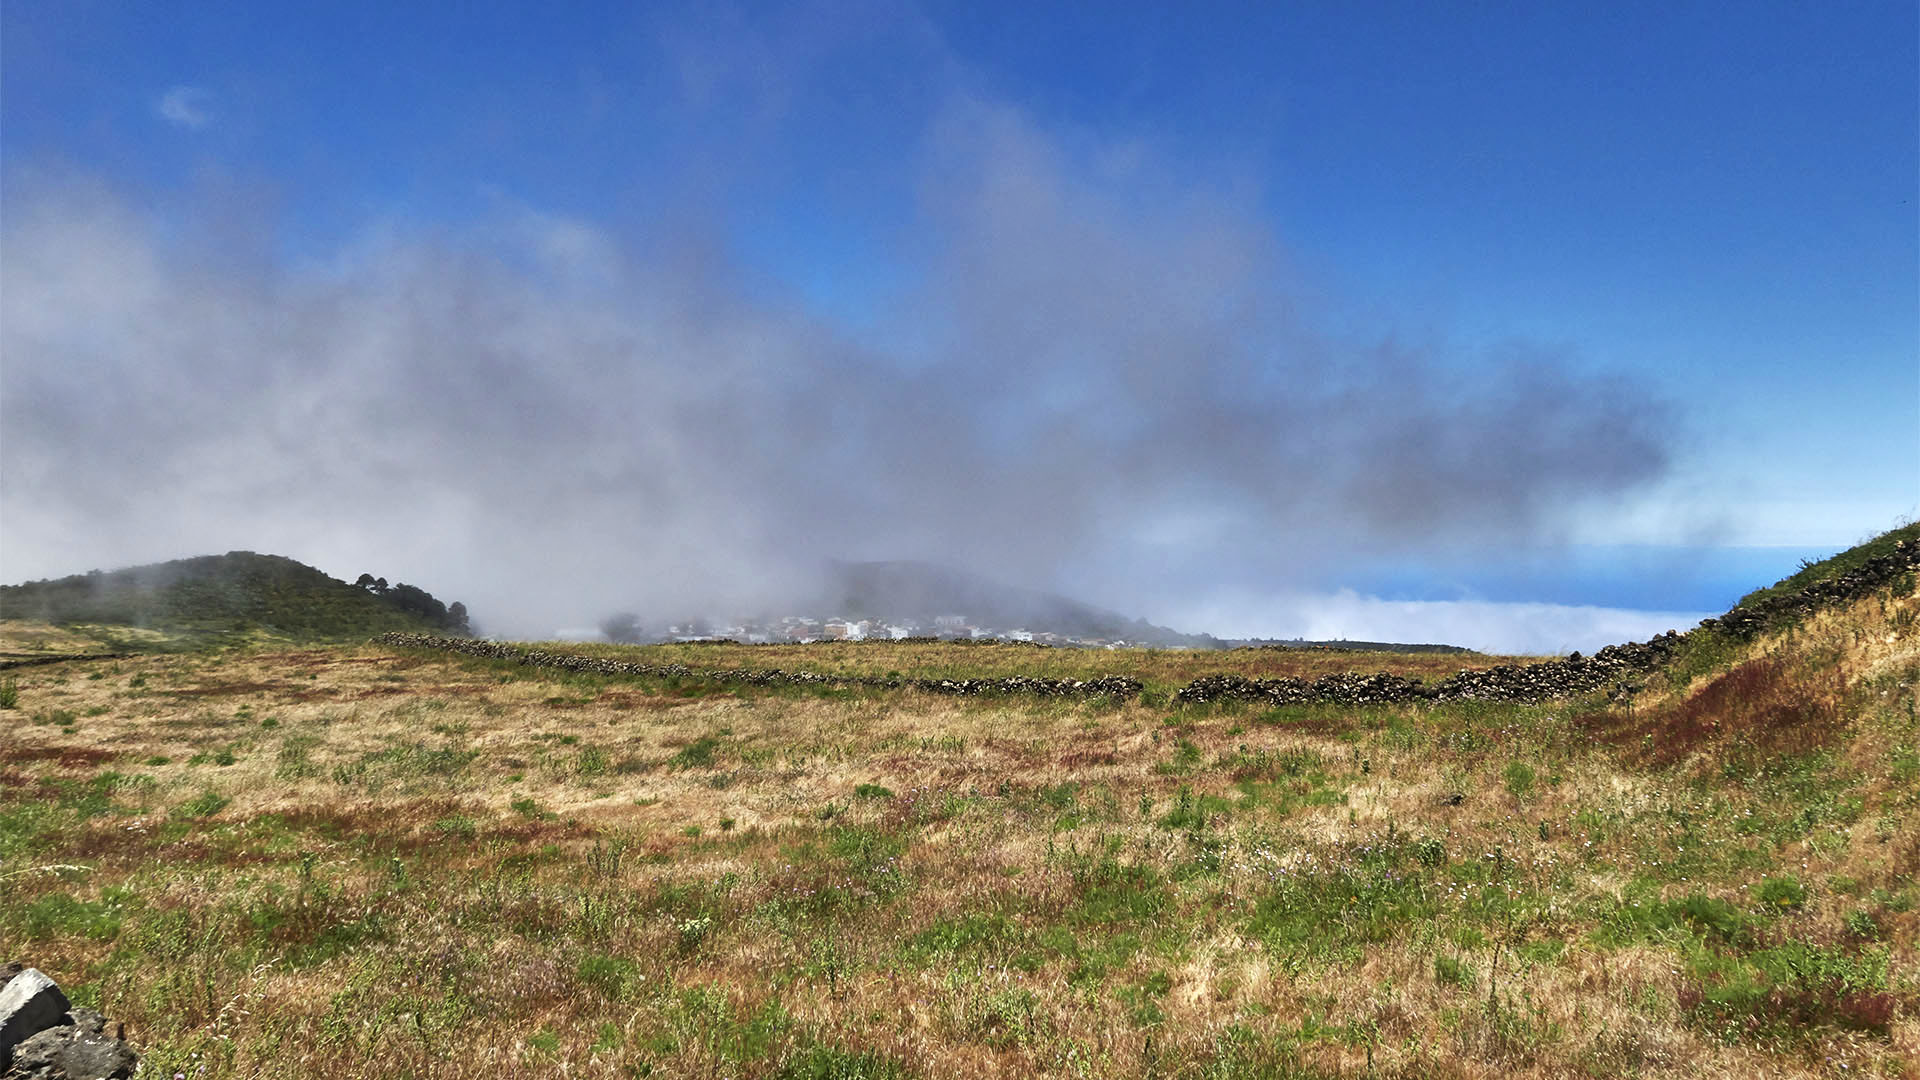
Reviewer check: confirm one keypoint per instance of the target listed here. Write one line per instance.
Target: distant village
(795, 629)
(1067, 626)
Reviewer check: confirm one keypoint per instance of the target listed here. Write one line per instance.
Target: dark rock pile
(1117, 686)
(43, 1037)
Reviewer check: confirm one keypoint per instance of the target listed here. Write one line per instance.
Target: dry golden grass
(355, 861)
(24, 638)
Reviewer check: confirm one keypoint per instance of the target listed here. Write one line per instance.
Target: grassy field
(350, 861)
(1162, 670)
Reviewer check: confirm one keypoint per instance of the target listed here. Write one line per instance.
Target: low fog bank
(1529, 629)
(554, 420)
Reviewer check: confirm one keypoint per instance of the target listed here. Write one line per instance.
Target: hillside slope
(1806, 665)
(227, 596)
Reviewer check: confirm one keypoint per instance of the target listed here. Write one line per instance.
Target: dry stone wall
(1616, 665)
(1116, 686)
(1869, 577)
(1575, 674)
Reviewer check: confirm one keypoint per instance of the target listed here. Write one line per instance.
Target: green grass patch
(701, 753)
(204, 805)
(1324, 909)
(1834, 566)
(822, 1061)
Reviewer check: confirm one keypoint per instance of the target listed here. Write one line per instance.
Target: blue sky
(1701, 217)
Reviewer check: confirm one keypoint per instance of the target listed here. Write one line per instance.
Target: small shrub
(693, 931)
(526, 807)
(1191, 811)
(1451, 971)
(1519, 778)
(204, 805)
(292, 761)
(872, 791)
(592, 761)
(9, 695)
(610, 975)
(823, 1062)
(1782, 893)
(698, 754)
(1114, 892)
(1061, 796)
(457, 826)
(1864, 926)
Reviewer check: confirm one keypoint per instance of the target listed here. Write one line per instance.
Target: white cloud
(185, 107)
(550, 424)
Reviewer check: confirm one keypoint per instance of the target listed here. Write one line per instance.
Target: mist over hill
(915, 594)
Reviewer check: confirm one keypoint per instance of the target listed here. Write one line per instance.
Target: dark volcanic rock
(29, 1003)
(42, 1038)
(81, 1050)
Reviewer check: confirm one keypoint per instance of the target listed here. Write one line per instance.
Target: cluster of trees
(214, 597)
(418, 602)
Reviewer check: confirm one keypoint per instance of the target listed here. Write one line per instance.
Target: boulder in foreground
(43, 1038)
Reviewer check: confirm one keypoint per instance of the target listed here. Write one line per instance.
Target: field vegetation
(358, 861)
(1164, 671)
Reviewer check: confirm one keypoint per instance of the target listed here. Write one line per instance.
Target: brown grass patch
(66, 757)
(1766, 705)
